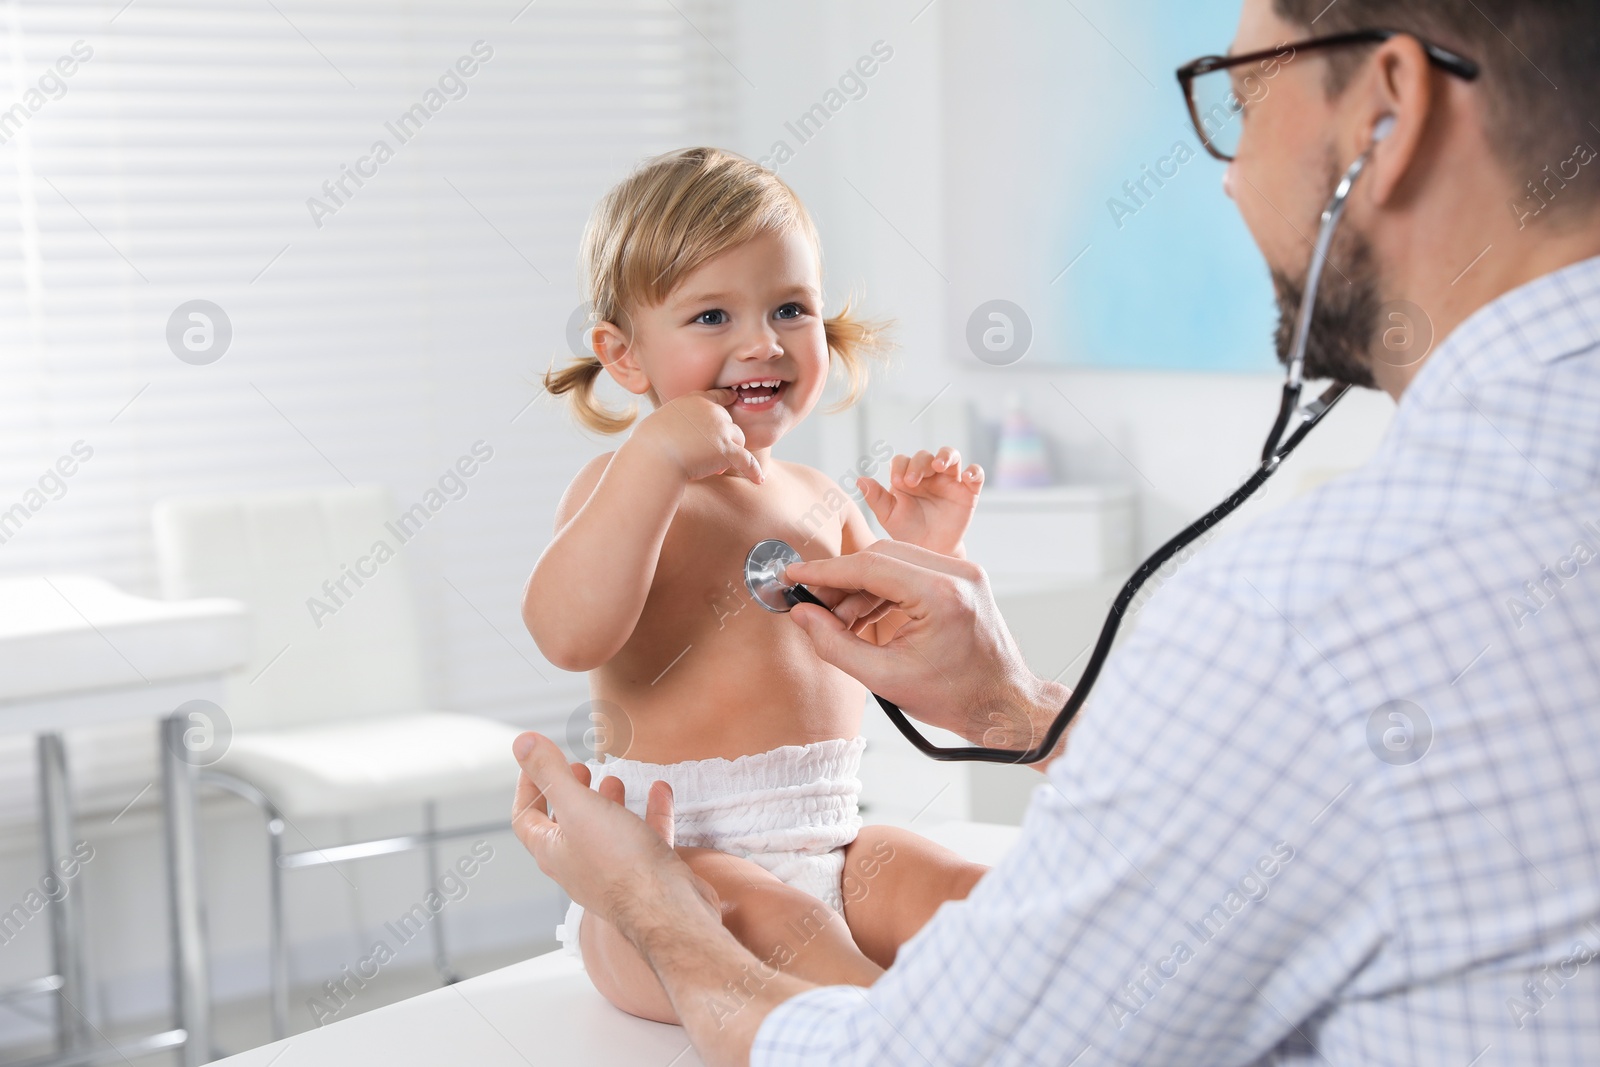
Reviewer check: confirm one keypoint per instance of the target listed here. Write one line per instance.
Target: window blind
(385, 311)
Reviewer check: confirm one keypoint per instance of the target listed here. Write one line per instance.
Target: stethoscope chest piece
(763, 575)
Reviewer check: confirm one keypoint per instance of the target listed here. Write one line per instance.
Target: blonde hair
(672, 214)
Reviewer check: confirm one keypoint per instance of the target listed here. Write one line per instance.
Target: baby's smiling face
(748, 318)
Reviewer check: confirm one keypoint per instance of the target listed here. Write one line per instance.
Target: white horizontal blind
(379, 330)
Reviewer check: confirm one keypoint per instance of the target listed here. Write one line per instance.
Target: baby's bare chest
(699, 579)
(707, 669)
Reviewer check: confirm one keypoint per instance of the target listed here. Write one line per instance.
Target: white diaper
(790, 810)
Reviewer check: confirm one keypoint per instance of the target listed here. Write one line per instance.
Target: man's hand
(929, 501)
(623, 869)
(952, 664)
(608, 859)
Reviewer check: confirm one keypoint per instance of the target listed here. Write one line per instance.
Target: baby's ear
(614, 348)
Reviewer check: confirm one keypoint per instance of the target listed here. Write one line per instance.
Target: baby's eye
(715, 317)
(790, 310)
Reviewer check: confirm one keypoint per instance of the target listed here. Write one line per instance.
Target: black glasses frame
(1439, 56)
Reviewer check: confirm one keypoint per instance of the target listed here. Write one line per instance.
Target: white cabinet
(1062, 532)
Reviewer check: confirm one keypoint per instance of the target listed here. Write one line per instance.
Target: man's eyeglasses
(1217, 88)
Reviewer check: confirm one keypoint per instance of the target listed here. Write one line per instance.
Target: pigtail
(854, 341)
(578, 379)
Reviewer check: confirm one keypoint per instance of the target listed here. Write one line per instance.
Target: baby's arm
(589, 587)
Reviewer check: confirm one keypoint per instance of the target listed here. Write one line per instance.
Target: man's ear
(615, 350)
(1399, 94)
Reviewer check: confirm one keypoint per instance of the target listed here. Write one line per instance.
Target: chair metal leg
(281, 860)
(441, 958)
(74, 1010)
(277, 938)
(191, 980)
(277, 942)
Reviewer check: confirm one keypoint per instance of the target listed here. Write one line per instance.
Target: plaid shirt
(1338, 797)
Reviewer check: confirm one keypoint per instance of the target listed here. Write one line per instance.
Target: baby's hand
(930, 499)
(697, 435)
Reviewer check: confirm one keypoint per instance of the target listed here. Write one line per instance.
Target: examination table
(541, 1011)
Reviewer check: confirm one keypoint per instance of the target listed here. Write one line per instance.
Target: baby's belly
(730, 691)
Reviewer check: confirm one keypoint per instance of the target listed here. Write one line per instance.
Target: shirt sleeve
(1192, 883)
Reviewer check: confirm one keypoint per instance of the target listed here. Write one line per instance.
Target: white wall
(933, 193)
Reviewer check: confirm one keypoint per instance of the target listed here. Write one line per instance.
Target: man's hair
(1540, 63)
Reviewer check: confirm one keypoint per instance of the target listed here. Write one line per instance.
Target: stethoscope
(764, 567)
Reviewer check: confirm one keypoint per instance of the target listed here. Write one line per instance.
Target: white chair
(328, 717)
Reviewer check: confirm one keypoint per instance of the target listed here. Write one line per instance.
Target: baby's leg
(782, 926)
(893, 882)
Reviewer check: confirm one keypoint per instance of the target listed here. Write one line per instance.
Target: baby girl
(704, 272)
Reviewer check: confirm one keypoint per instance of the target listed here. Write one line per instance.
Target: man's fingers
(874, 615)
(535, 829)
(835, 643)
(832, 598)
(880, 575)
(545, 767)
(612, 789)
(890, 570)
(527, 805)
(580, 771)
(852, 608)
(658, 811)
(886, 549)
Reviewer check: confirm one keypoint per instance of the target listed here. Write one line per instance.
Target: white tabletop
(75, 651)
(540, 1011)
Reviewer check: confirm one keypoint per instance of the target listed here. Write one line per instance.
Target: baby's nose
(765, 346)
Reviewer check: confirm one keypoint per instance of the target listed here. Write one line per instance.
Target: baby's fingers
(949, 460)
(920, 466)
(745, 464)
(879, 499)
(897, 470)
(739, 458)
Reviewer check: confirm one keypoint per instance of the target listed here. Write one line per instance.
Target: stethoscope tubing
(1119, 607)
(1272, 455)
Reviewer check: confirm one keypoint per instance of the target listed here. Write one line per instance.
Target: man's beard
(1346, 318)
